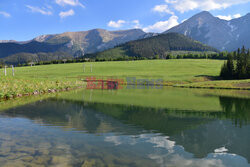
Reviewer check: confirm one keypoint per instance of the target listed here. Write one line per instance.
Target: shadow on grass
(209, 78)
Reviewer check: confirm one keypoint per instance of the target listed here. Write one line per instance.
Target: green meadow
(42, 79)
(170, 70)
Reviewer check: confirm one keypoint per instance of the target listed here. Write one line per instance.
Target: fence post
(13, 71)
(5, 72)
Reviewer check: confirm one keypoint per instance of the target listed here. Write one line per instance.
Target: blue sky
(25, 19)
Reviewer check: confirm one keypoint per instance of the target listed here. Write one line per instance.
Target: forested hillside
(23, 58)
(157, 46)
(7, 49)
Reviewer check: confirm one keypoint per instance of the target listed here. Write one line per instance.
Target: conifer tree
(224, 71)
(230, 66)
(238, 63)
(243, 65)
(240, 69)
(248, 63)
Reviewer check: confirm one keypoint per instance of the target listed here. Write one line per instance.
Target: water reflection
(236, 108)
(64, 132)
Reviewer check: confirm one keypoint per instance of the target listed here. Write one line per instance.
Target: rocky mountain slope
(83, 42)
(221, 34)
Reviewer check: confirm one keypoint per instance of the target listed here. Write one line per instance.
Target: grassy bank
(12, 87)
(231, 84)
(168, 97)
(50, 78)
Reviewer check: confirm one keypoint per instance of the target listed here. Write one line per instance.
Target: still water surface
(109, 128)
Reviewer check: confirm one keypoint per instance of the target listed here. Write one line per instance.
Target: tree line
(188, 55)
(62, 58)
(237, 65)
(157, 46)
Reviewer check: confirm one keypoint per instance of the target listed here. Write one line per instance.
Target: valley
(112, 83)
(52, 78)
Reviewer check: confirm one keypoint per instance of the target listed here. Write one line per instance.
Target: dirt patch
(203, 78)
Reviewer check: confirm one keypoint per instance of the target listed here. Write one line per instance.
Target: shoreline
(210, 84)
(49, 91)
(219, 88)
(68, 88)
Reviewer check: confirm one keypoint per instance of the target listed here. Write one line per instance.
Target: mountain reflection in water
(65, 132)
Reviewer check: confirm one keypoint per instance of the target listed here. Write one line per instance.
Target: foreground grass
(47, 78)
(12, 87)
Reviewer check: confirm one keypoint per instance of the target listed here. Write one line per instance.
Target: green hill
(21, 58)
(160, 45)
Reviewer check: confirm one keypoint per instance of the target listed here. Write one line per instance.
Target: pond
(144, 128)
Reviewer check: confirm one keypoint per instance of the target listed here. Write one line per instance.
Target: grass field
(169, 70)
(38, 79)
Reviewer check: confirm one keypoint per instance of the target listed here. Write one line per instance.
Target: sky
(26, 19)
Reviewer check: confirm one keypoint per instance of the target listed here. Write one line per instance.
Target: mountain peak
(248, 14)
(130, 30)
(210, 30)
(97, 29)
(204, 14)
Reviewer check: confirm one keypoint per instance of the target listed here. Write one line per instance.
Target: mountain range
(84, 42)
(215, 32)
(203, 27)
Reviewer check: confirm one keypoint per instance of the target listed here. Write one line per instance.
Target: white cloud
(5, 14)
(136, 24)
(116, 24)
(67, 13)
(39, 10)
(162, 9)
(69, 2)
(162, 26)
(120, 23)
(187, 5)
(171, 1)
(229, 17)
(114, 139)
(237, 16)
